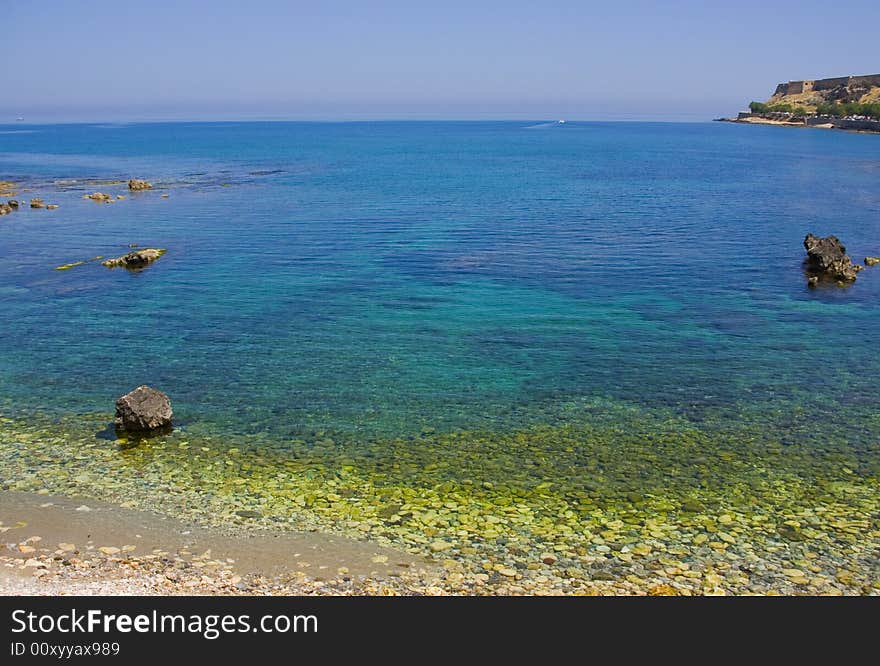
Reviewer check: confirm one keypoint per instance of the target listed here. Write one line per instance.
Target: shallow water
(460, 318)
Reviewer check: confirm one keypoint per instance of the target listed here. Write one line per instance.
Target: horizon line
(159, 121)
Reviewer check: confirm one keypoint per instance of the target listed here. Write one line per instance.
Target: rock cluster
(827, 258)
(872, 261)
(136, 184)
(136, 259)
(5, 209)
(143, 410)
(37, 203)
(98, 196)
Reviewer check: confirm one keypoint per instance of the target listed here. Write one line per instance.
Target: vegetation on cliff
(838, 98)
(834, 109)
(838, 110)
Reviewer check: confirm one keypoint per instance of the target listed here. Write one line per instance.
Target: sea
(475, 341)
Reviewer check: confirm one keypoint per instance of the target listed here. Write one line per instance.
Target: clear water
(372, 282)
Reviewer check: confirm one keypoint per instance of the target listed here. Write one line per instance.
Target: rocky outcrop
(37, 203)
(98, 196)
(872, 261)
(137, 184)
(143, 410)
(827, 259)
(136, 259)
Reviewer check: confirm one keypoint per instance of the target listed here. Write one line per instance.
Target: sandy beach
(61, 546)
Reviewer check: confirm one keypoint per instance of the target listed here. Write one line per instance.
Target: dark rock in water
(12, 203)
(827, 258)
(37, 203)
(143, 410)
(813, 280)
(135, 260)
(5, 209)
(248, 514)
(791, 533)
(692, 506)
(136, 184)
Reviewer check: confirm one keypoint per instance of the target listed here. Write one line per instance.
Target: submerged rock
(139, 184)
(143, 410)
(872, 261)
(826, 257)
(97, 196)
(36, 202)
(136, 259)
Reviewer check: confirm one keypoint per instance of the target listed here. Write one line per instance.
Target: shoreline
(491, 541)
(784, 123)
(52, 545)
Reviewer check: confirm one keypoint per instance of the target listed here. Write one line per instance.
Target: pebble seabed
(613, 500)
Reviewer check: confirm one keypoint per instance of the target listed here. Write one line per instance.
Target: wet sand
(56, 545)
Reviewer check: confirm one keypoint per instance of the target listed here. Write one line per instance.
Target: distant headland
(846, 102)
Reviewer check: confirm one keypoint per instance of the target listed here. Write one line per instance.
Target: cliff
(812, 96)
(846, 102)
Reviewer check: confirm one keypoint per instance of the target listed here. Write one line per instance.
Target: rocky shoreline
(767, 522)
(62, 546)
(750, 119)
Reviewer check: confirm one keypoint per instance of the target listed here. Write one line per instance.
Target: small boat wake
(555, 123)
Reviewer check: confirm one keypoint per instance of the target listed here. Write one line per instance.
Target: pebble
(508, 524)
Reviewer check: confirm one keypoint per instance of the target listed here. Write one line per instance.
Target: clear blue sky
(340, 59)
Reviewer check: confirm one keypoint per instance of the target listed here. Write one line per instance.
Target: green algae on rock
(135, 260)
(67, 267)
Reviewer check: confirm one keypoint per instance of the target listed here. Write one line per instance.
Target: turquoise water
(370, 282)
(385, 276)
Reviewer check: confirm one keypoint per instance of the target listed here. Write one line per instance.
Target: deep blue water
(388, 277)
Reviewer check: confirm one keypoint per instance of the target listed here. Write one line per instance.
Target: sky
(70, 60)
